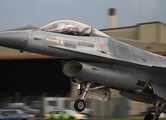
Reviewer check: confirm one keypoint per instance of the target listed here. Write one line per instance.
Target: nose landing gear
(93, 91)
(79, 104)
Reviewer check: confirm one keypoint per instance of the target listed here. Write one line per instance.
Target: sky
(20, 13)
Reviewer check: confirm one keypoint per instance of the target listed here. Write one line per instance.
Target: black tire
(79, 105)
(72, 118)
(149, 117)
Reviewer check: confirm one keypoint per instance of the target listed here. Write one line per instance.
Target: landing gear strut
(93, 91)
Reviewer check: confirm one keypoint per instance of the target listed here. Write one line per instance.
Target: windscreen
(68, 27)
(72, 28)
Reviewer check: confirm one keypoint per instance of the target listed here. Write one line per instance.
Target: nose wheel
(79, 105)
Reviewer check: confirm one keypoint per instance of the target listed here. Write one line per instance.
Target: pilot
(70, 29)
(74, 31)
(66, 29)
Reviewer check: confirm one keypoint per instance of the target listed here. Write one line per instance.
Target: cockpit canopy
(72, 28)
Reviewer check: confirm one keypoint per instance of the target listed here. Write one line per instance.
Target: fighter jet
(97, 62)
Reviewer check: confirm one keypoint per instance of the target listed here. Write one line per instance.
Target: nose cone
(14, 39)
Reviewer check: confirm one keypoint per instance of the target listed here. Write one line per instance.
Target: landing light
(79, 86)
(79, 90)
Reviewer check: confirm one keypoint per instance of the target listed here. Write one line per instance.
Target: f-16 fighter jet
(97, 62)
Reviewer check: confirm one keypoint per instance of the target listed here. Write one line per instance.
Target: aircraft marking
(94, 68)
(54, 40)
(98, 46)
(69, 45)
(85, 44)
